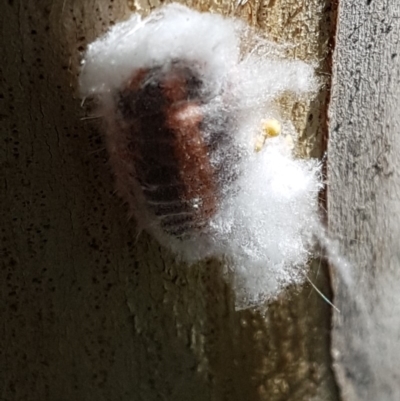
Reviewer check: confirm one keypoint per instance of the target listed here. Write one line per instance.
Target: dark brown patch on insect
(163, 119)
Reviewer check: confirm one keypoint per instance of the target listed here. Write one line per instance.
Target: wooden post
(89, 312)
(364, 198)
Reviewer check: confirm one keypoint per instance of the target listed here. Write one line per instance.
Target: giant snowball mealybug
(185, 97)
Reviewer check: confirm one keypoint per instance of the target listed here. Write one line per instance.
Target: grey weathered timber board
(364, 198)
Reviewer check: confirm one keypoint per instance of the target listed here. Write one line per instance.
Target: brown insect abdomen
(170, 155)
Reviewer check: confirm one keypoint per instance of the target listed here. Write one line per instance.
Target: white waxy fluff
(263, 228)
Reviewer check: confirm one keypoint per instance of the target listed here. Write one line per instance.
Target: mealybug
(189, 101)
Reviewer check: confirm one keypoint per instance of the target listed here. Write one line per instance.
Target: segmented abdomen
(163, 120)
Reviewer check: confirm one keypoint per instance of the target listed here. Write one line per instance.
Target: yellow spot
(259, 144)
(270, 129)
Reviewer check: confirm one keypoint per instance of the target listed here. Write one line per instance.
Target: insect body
(163, 115)
(189, 101)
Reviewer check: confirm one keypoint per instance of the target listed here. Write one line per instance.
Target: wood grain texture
(364, 198)
(90, 312)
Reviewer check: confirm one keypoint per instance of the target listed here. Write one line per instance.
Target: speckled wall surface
(364, 199)
(89, 312)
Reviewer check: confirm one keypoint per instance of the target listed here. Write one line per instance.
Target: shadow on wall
(93, 313)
